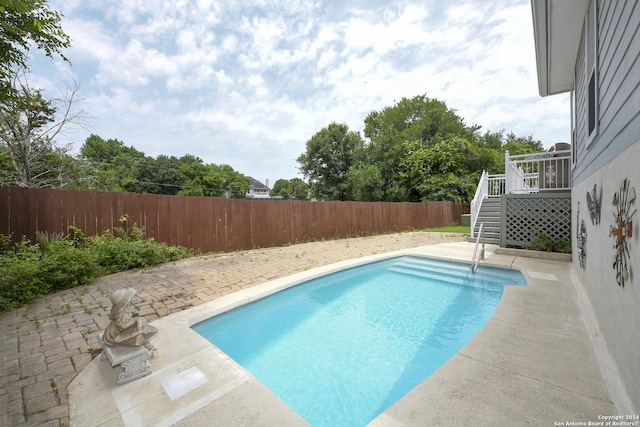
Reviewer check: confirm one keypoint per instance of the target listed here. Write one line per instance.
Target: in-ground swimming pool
(342, 348)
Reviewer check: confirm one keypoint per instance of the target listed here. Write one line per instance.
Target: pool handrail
(475, 260)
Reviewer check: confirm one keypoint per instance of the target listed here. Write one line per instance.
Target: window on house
(591, 56)
(572, 101)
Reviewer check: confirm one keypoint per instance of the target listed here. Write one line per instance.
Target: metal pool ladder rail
(475, 260)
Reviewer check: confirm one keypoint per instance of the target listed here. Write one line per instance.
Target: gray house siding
(618, 62)
(605, 161)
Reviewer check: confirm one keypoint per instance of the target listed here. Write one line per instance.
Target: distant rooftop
(256, 185)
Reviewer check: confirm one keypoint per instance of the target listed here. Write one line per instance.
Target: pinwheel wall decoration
(622, 229)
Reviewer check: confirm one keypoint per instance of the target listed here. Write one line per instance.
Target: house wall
(616, 308)
(619, 89)
(614, 154)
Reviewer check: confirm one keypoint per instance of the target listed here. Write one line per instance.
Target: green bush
(64, 266)
(60, 262)
(541, 241)
(114, 254)
(130, 250)
(20, 281)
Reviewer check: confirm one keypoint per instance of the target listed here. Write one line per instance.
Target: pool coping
(232, 395)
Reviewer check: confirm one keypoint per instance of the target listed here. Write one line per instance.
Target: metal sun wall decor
(581, 237)
(622, 229)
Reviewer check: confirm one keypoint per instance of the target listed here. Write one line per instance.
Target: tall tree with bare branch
(29, 125)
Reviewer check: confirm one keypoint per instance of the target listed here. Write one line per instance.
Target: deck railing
(524, 173)
(532, 173)
(476, 259)
(482, 191)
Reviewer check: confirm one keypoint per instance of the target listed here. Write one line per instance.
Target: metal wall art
(581, 237)
(622, 229)
(593, 203)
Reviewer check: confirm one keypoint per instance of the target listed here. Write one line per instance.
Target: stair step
(490, 215)
(462, 275)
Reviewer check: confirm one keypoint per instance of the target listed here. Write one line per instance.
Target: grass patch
(450, 229)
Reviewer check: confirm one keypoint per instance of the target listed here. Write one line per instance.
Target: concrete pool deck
(536, 366)
(533, 363)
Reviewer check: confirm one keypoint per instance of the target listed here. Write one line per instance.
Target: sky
(248, 82)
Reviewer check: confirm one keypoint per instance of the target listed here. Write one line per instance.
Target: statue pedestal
(133, 361)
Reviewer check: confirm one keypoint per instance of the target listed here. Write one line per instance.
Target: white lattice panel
(525, 215)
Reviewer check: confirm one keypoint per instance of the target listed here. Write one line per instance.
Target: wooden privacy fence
(207, 224)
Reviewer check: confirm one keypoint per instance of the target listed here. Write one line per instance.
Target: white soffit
(557, 32)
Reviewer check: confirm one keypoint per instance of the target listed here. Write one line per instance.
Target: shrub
(59, 262)
(78, 237)
(541, 241)
(115, 254)
(64, 266)
(20, 281)
(45, 239)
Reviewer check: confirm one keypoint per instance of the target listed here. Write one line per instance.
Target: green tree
(446, 170)
(25, 23)
(300, 188)
(99, 151)
(328, 157)
(157, 176)
(234, 183)
(521, 145)
(238, 189)
(29, 124)
(494, 144)
(114, 163)
(282, 188)
(211, 180)
(290, 188)
(366, 183)
(195, 177)
(418, 119)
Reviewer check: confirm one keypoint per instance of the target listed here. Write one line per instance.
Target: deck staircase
(524, 174)
(489, 214)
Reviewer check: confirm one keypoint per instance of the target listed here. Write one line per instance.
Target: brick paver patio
(46, 344)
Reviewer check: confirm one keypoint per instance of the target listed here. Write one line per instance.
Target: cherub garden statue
(125, 329)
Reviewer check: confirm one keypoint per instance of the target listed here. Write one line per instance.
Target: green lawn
(450, 229)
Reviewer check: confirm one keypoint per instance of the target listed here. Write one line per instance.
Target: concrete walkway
(44, 346)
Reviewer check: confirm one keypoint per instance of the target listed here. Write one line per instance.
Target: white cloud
(247, 83)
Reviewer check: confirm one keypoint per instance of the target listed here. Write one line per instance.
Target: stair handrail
(482, 192)
(475, 260)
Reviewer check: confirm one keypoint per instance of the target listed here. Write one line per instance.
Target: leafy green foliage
(46, 239)
(64, 266)
(121, 168)
(417, 150)
(366, 183)
(541, 241)
(290, 189)
(26, 23)
(20, 281)
(329, 156)
(115, 254)
(418, 120)
(28, 271)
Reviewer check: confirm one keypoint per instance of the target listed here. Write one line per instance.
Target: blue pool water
(342, 348)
